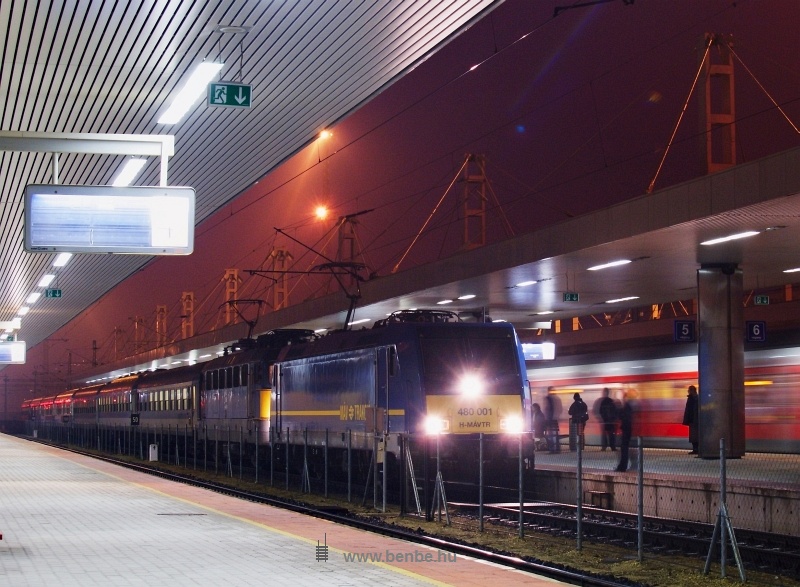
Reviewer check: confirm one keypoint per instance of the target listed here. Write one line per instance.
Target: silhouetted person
(579, 413)
(626, 427)
(691, 417)
(608, 416)
(551, 422)
(539, 428)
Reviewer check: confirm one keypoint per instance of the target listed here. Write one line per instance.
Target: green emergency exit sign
(229, 94)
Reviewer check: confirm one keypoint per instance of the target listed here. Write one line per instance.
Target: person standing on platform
(539, 428)
(579, 414)
(691, 417)
(608, 417)
(626, 428)
(551, 422)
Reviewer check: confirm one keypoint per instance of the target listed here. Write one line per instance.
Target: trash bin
(153, 452)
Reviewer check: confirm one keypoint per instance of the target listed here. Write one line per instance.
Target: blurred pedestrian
(691, 417)
(625, 416)
(608, 418)
(551, 422)
(579, 414)
(539, 428)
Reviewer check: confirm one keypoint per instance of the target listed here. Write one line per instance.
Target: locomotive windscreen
(446, 360)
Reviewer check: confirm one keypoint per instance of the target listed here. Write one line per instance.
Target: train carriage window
(236, 377)
(244, 374)
(229, 377)
(215, 380)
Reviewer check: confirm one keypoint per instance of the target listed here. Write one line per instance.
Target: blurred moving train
(416, 372)
(657, 384)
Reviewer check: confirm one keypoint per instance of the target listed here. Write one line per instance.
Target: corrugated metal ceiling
(100, 67)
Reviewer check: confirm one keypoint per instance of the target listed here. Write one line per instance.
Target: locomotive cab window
(445, 360)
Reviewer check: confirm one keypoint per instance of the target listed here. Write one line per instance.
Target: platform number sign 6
(756, 331)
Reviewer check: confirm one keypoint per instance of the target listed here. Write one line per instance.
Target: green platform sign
(571, 296)
(52, 293)
(229, 94)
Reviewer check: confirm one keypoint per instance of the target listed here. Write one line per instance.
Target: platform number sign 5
(684, 331)
(756, 331)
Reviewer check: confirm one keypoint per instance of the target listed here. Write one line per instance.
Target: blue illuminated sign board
(756, 331)
(685, 331)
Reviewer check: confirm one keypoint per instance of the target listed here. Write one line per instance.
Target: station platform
(762, 489)
(67, 519)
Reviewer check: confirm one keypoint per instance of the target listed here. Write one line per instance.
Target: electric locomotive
(414, 373)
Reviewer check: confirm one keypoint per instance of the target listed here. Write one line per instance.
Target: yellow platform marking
(263, 526)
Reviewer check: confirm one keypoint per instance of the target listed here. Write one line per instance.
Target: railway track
(758, 550)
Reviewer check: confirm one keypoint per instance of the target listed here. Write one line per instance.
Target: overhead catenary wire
(709, 42)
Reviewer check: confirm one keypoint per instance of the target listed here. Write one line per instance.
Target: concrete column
(720, 359)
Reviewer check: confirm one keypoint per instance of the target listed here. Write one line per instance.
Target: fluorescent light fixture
(525, 283)
(23, 310)
(31, 299)
(204, 356)
(611, 264)
(194, 88)
(46, 280)
(723, 239)
(795, 270)
(176, 362)
(354, 322)
(14, 324)
(443, 302)
(129, 171)
(544, 313)
(320, 330)
(9, 330)
(498, 320)
(622, 299)
(62, 259)
(466, 297)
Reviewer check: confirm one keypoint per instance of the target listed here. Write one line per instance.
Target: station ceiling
(112, 68)
(80, 70)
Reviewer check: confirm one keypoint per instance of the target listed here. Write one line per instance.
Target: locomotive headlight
(436, 425)
(511, 425)
(471, 385)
